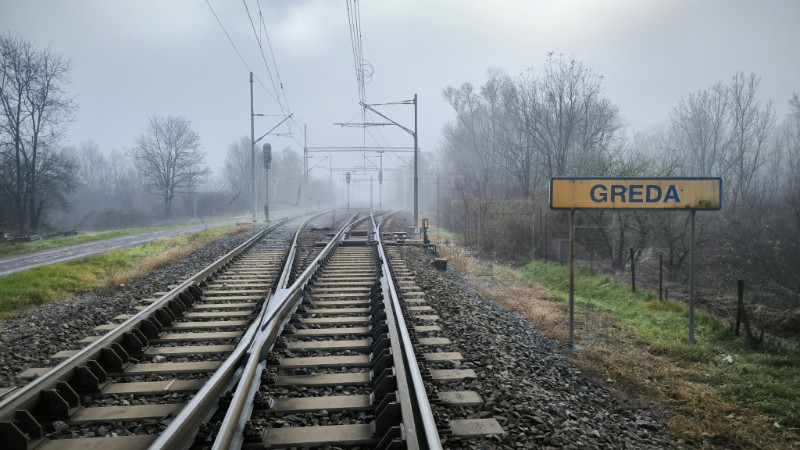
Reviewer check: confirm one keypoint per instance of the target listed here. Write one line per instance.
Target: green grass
(24, 290)
(766, 378)
(19, 248)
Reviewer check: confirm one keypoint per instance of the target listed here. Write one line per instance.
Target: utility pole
(347, 177)
(416, 145)
(253, 142)
(267, 157)
(380, 182)
(416, 175)
(305, 164)
(253, 153)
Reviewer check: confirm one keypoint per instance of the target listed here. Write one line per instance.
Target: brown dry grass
(457, 260)
(680, 393)
(151, 263)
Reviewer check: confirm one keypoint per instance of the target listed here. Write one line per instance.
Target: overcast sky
(134, 58)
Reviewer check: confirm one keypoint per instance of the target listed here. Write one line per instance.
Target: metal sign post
(664, 194)
(691, 279)
(571, 339)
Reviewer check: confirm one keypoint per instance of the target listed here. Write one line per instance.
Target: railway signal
(267, 157)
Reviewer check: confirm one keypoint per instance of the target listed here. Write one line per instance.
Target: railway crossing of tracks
(283, 342)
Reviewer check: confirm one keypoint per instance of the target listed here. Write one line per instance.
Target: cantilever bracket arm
(273, 128)
(390, 120)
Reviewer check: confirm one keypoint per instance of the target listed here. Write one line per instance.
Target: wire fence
(768, 310)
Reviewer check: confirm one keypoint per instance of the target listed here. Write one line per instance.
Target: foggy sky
(135, 58)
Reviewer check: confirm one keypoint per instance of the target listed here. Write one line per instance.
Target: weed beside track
(721, 392)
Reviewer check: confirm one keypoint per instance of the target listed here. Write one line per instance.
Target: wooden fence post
(739, 306)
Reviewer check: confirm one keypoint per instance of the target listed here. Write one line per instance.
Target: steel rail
(283, 280)
(418, 420)
(182, 430)
(26, 397)
(279, 309)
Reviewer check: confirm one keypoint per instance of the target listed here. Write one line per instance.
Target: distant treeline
(513, 134)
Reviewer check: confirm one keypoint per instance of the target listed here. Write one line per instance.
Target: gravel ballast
(539, 398)
(31, 338)
(527, 384)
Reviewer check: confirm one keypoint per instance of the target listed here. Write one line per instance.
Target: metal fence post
(660, 275)
(633, 271)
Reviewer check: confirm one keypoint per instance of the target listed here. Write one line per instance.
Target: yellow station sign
(636, 193)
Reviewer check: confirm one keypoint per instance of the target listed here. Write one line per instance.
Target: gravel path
(27, 261)
(539, 398)
(30, 339)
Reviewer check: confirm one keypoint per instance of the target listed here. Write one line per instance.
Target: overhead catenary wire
(385, 142)
(235, 48)
(353, 18)
(274, 93)
(264, 58)
(272, 54)
(228, 36)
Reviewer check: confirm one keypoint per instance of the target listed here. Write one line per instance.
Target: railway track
(333, 357)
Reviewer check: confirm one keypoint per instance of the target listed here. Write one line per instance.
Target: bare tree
(237, 170)
(469, 146)
(574, 123)
(34, 110)
(750, 127)
(701, 126)
(93, 165)
(169, 158)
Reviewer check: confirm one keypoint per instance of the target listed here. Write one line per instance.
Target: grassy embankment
(19, 248)
(722, 390)
(23, 290)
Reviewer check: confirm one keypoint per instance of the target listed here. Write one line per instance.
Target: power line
(229, 36)
(255, 77)
(356, 44)
(233, 44)
(264, 58)
(379, 133)
(272, 53)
